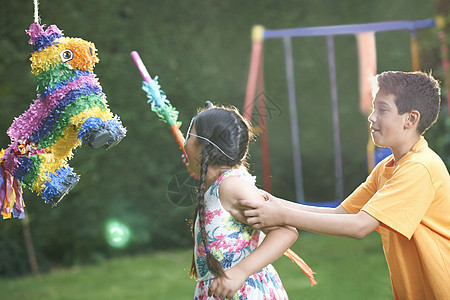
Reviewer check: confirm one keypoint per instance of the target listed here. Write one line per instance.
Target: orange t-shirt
(412, 202)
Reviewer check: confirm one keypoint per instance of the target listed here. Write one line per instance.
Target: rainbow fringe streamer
(11, 201)
(159, 102)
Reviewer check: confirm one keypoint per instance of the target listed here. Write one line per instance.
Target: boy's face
(387, 126)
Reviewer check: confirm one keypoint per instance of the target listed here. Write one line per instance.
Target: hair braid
(242, 136)
(212, 263)
(223, 130)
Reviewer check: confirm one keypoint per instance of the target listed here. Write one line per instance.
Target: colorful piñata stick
(158, 101)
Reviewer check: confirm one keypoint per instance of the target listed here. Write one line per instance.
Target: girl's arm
(276, 242)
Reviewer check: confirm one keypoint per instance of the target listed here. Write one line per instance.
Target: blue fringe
(51, 89)
(156, 96)
(89, 126)
(24, 167)
(44, 41)
(114, 126)
(1, 177)
(48, 124)
(59, 184)
(17, 213)
(159, 102)
(116, 131)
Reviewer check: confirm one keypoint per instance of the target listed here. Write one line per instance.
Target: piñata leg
(116, 132)
(93, 133)
(97, 133)
(59, 183)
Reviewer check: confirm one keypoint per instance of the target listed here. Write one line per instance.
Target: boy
(407, 195)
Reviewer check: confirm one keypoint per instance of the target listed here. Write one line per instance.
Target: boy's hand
(227, 285)
(267, 214)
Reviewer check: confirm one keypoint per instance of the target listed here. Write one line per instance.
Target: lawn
(346, 269)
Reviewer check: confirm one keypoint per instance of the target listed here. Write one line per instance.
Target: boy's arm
(273, 213)
(293, 205)
(276, 242)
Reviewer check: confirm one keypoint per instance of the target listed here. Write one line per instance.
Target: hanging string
(36, 11)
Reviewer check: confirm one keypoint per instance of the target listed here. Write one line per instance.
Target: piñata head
(51, 48)
(70, 110)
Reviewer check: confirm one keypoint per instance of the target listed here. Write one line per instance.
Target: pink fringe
(30, 120)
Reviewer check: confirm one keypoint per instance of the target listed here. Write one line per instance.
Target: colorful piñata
(70, 110)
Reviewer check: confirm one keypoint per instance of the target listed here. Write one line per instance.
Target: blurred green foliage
(200, 50)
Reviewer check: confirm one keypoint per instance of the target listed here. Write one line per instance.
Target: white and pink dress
(231, 241)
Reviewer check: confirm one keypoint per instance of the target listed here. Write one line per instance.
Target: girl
(231, 259)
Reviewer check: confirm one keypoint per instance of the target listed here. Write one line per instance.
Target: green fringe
(82, 103)
(29, 179)
(168, 114)
(51, 77)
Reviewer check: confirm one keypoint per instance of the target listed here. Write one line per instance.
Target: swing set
(365, 36)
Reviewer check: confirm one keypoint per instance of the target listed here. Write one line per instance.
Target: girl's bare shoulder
(232, 189)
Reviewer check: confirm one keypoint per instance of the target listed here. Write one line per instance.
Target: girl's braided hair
(229, 131)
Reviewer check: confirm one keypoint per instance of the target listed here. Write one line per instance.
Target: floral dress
(231, 241)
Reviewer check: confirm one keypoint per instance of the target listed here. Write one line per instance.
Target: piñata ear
(41, 39)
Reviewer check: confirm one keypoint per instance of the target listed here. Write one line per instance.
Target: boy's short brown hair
(413, 91)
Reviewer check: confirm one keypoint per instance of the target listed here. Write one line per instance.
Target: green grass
(346, 269)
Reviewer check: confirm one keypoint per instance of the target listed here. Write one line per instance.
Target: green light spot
(117, 234)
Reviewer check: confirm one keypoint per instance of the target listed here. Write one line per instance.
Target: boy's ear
(413, 119)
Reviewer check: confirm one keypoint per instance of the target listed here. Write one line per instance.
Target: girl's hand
(186, 163)
(227, 285)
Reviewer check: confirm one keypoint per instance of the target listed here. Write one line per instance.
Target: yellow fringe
(44, 60)
(57, 155)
